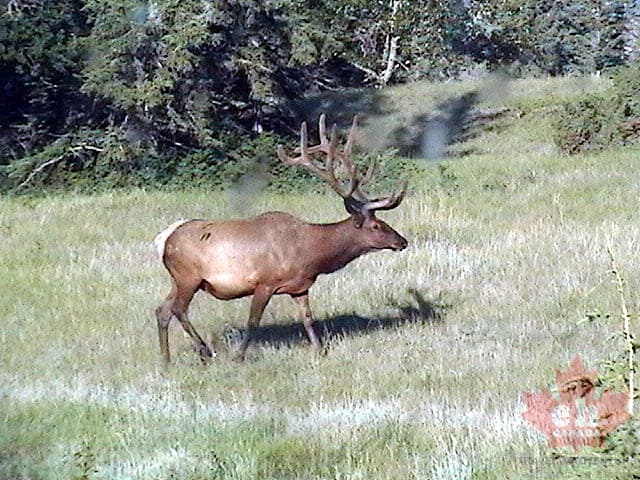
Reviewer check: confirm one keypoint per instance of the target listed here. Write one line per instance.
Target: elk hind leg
(164, 314)
(183, 298)
(163, 317)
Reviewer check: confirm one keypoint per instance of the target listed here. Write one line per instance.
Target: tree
(184, 69)
(557, 36)
(39, 73)
(386, 39)
(568, 36)
(613, 19)
(159, 80)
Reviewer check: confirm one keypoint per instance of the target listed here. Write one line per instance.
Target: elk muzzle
(400, 244)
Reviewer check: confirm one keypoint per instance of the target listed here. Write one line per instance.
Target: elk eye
(376, 226)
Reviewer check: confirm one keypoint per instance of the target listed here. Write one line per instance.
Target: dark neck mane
(335, 244)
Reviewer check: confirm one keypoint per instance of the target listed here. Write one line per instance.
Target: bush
(599, 121)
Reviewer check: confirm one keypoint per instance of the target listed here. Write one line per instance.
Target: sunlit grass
(507, 255)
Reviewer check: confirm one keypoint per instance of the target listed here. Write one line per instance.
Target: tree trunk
(391, 44)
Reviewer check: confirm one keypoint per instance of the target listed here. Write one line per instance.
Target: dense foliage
(601, 120)
(152, 86)
(131, 92)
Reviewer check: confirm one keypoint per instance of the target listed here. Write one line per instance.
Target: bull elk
(274, 253)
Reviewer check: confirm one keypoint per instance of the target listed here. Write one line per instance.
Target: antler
(352, 192)
(325, 170)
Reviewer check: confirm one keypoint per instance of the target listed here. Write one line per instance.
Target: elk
(274, 253)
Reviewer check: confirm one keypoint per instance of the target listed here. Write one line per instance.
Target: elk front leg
(307, 319)
(261, 297)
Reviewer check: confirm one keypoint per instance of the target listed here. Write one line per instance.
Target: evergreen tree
(183, 70)
(387, 39)
(39, 73)
(567, 34)
(157, 81)
(612, 33)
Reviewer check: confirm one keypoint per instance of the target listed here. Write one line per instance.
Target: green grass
(507, 248)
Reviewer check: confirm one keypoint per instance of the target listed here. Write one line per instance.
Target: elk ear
(354, 207)
(358, 219)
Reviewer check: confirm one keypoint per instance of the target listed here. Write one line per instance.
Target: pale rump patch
(161, 238)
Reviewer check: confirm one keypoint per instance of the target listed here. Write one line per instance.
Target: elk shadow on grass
(420, 311)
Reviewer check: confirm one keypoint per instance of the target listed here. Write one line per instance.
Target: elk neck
(335, 245)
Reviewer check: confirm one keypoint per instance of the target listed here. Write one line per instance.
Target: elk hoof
(239, 357)
(205, 353)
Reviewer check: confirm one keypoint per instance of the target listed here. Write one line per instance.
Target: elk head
(375, 233)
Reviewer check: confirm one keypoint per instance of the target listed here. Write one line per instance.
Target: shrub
(603, 120)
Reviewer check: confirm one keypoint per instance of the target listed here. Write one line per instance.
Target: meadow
(429, 349)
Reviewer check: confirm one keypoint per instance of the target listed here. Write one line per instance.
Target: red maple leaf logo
(576, 418)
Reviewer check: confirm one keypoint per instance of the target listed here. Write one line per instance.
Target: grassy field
(429, 350)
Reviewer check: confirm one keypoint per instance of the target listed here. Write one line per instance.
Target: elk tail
(161, 238)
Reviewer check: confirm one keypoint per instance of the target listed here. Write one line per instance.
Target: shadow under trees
(431, 135)
(340, 107)
(453, 121)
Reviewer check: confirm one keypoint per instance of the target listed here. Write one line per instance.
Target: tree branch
(74, 150)
(39, 169)
(371, 73)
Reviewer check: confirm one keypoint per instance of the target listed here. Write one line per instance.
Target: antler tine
(322, 129)
(333, 145)
(388, 202)
(304, 143)
(345, 156)
(304, 154)
(352, 134)
(345, 159)
(368, 177)
(323, 170)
